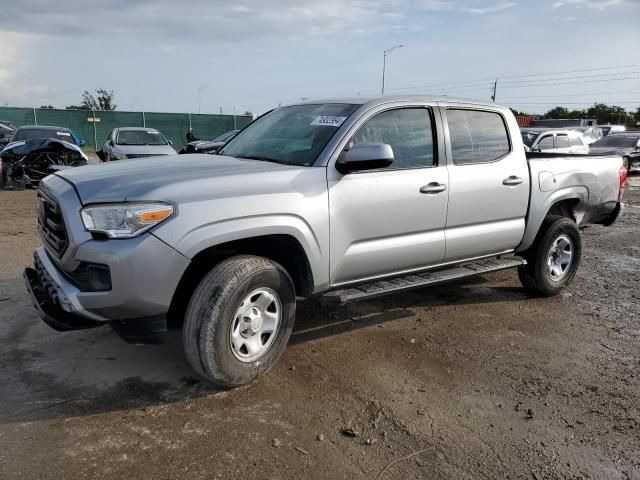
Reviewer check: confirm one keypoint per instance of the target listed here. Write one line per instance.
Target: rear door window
(477, 136)
(562, 141)
(575, 141)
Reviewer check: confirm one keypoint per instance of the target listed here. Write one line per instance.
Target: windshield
(225, 136)
(529, 137)
(140, 137)
(31, 133)
(293, 135)
(617, 141)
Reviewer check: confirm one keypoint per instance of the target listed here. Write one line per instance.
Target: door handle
(512, 181)
(433, 187)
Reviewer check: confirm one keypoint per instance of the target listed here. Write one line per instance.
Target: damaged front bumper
(52, 303)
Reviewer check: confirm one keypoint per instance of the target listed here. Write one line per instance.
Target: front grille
(51, 225)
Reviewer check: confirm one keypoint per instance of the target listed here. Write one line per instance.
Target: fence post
(189, 122)
(95, 133)
(144, 121)
(35, 117)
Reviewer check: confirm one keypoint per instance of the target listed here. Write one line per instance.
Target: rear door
(488, 183)
(562, 144)
(390, 220)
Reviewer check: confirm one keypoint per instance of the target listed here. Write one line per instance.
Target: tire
(546, 272)
(226, 320)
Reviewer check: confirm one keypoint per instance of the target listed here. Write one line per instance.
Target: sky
(182, 56)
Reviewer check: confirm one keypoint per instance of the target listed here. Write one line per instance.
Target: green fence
(94, 127)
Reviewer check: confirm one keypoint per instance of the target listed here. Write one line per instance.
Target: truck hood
(176, 178)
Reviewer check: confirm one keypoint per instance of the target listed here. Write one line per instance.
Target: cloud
(466, 7)
(223, 20)
(15, 49)
(599, 4)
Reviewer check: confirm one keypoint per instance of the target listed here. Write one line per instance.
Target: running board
(418, 280)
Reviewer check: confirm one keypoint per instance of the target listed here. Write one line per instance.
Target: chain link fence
(95, 126)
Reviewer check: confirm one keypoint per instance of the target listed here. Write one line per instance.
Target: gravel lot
(465, 381)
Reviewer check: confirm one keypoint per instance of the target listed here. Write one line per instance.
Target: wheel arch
(568, 203)
(284, 249)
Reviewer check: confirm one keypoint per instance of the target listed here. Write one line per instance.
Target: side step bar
(418, 280)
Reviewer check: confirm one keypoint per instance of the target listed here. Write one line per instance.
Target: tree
(517, 113)
(605, 113)
(103, 100)
(557, 112)
(636, 117)
(46, 107)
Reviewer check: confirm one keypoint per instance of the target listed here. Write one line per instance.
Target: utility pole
(495, 87)
(384, 62)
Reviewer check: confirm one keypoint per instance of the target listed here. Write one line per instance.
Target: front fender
(209, 235)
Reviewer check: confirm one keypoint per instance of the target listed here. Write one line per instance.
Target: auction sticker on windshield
(328, 121)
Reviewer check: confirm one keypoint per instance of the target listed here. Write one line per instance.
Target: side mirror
(365, 156)
(82, 143)
(111, 142)
(170, 142)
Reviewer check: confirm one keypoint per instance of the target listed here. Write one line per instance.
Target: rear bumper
(614, 216)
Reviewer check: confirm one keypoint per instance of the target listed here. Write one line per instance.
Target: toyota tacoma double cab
(339, 199)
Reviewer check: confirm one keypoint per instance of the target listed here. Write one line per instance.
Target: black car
(627, 145)
(6, 134)
(24, 163)
(31, 132)
(203, 146)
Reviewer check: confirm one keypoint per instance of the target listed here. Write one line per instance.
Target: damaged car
(25, 163)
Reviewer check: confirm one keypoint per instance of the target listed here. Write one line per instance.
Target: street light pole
(202, 87)
(384, 62)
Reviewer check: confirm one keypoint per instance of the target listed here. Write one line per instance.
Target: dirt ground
(465, 381)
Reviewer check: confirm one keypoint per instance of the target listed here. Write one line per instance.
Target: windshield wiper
(264, 159)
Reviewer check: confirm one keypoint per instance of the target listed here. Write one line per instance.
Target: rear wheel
(554, 258)
(239, 320)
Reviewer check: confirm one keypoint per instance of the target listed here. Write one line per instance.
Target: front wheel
(239, 320)
(553, 260)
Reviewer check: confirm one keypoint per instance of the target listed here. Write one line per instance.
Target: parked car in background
(344, 199)
(589, 134)
(553, 140)
(6, 134)
(24, 163)
(627, 145)
(611, 129)
(203, 146)
(135, 142)
(31, 132)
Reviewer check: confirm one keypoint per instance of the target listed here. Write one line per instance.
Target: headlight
(125, 220)
(118, 156)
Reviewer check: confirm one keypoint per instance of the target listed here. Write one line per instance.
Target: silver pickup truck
(339, 199)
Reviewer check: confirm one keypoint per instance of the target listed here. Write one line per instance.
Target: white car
(550, 140)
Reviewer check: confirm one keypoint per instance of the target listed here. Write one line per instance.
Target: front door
(390, 220)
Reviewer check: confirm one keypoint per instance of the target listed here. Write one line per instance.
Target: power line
(571, 78)
(637, 102)
(572, 83)
(476, 81)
